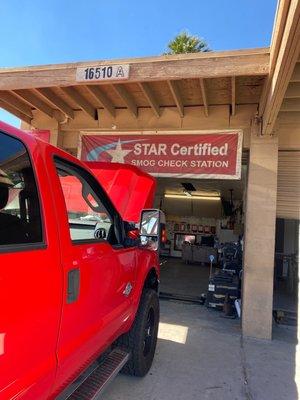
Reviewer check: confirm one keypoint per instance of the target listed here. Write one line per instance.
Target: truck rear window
(20, 219)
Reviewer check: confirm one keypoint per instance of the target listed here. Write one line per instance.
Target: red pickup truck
(78, 282)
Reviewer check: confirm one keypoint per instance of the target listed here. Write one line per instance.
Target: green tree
(186, 43)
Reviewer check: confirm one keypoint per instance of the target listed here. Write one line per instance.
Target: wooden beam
(127, 98)
(290, 105)
(293, 91)
(57, 101)
(102, 98)
(170, 118)
(289, 118)
(146, 89)
(16, 103)
(204, 96)
(278, 30)
(84, 104)
(233, 95)
(173, 85)
(296, 73)
(17, 113)
(182, 66)
(285, 63)
(35, 101)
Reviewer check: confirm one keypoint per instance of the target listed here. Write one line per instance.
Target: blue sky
(55, 31)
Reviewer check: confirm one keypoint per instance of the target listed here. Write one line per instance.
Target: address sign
(103, 73)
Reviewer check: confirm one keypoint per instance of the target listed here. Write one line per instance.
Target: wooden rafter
(173, 85)
(204, 96)
(127, 98)
(148, 93)
(290, 105)
(84, 104)
(184, 66)
(16, 103)
(293, 91)
(289, 117)
(102, 98)
(296, 73)
(233, 95)
(17, 113)
(34, 101)
(288, 52)
(57, 101)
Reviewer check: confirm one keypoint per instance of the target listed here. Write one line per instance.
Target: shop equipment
(221, 284)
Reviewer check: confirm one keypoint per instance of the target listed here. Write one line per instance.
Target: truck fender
(147, 277)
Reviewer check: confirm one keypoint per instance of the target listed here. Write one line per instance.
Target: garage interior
(207, 213)
(200, 214)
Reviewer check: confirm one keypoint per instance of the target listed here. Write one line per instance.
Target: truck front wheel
(142, 337)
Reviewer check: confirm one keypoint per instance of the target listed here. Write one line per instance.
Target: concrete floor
(191, 280)
(201, 355)
(183, 279)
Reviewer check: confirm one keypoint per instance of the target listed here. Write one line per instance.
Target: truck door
(30, 275)
(98, 270)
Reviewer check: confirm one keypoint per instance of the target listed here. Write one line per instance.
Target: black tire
(142, 337)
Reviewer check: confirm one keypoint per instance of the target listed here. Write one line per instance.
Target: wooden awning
(204, 79)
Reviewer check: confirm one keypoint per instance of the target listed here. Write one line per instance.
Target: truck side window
(20, 217)
(88, 217)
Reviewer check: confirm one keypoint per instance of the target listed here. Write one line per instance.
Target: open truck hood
(129, 188)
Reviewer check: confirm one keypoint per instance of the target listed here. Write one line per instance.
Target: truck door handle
(73, 285)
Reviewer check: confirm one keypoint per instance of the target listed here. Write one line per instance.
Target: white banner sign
(103, 73)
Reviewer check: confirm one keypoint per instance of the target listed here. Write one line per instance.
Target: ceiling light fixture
(192, 197)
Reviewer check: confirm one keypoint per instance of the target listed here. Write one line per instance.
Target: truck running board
(94, 381)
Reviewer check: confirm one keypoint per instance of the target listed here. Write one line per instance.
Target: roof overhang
(212, 78)
(183, 66)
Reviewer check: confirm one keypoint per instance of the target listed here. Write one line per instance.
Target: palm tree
(186, 43)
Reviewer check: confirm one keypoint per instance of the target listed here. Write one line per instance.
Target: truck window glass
(20, 218)
(88, 218)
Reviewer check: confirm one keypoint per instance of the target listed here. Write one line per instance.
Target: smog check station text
(198, 150)
(214, 155)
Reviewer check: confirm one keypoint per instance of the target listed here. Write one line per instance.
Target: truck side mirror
(151, 228)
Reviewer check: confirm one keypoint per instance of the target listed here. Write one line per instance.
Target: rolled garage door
(288, 189)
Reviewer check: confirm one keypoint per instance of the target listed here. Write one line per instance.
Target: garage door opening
(286, 266)
(286, 272)
(202, 217)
